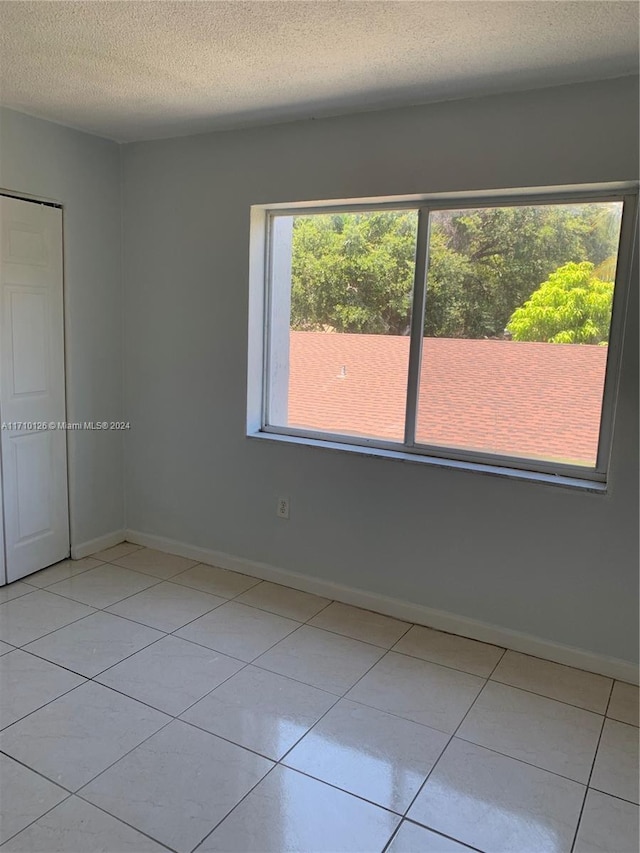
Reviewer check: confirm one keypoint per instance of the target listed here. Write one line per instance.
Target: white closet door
(34, 461)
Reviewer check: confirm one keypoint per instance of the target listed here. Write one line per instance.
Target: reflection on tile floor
(148, 703)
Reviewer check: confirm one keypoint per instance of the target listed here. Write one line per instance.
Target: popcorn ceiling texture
(142, 70)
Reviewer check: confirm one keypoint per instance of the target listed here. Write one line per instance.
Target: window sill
(575, 483)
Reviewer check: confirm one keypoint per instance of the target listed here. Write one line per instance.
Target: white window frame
(264, 316)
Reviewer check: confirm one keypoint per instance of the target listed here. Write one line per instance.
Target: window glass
(516, 329)
(341, 297)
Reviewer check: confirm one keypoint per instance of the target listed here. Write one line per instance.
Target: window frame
(261, 322)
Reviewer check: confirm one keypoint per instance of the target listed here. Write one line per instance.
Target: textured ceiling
(141, 70)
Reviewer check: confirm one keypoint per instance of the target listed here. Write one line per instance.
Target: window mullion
(417, 324)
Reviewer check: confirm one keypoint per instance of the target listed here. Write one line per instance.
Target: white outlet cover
(283, 508)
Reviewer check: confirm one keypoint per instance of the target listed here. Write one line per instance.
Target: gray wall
(555, 563)
(82, 172)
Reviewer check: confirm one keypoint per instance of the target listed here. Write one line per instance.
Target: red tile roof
(529, 399)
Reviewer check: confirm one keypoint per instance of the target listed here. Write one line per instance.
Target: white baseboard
(85, 549)
(440, 619)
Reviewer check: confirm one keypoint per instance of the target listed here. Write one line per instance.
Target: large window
(481, 330)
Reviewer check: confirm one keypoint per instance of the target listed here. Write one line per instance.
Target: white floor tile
(261, 710)
(116, 551)
(216, 581)
(61, 571)
(497, 804)
(624, 703)
(292, 603)
(103, 586)
(450, 650)
(14, 590)
(544, 732)
(94, 643)
(78, 827)
(321, 659)
(555, 681)
(155, 563)
(369, 753)
(238, 630)
(411, 838)
(166, 606)
(77, 736)
(360, 624)
(290, 813)
(27, 683)
(24, 797)
(608, 825)
(31, 616)
(254, 684)
(170, 675)
(616, 768)
(417, 690)
(177, 785)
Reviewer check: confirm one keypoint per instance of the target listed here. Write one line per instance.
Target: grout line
(70, 795)
(124, 822)
(68, 668)
(128, 752)
(229, 813)
(395, 834)
(129, 825)
(313, 779)
(224, 738)
(30, 824)
(38, 773)
(555, 663)
(606, 711)
(498, 662)
(49, 701)
(335, 787)
(520, 760)
(111, 603)
(446, 747)
(544, 696)
(75, 575)
(613, 796)
(53, 630)
(28, 591)
(593, 764)
(195, 642)
(208, 648)
(436, 832)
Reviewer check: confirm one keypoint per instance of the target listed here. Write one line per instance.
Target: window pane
(517, 318)
(341, 291)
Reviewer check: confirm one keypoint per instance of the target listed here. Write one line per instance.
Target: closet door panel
(32, 400)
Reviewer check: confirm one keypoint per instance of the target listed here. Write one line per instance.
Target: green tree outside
(353, 272)
(571, 307)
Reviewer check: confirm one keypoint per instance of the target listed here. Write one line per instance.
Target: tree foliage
(353, 272)
(572, 307)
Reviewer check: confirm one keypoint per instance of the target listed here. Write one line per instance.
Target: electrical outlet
(283, 508)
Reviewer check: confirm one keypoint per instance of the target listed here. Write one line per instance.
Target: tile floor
(149, 703)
